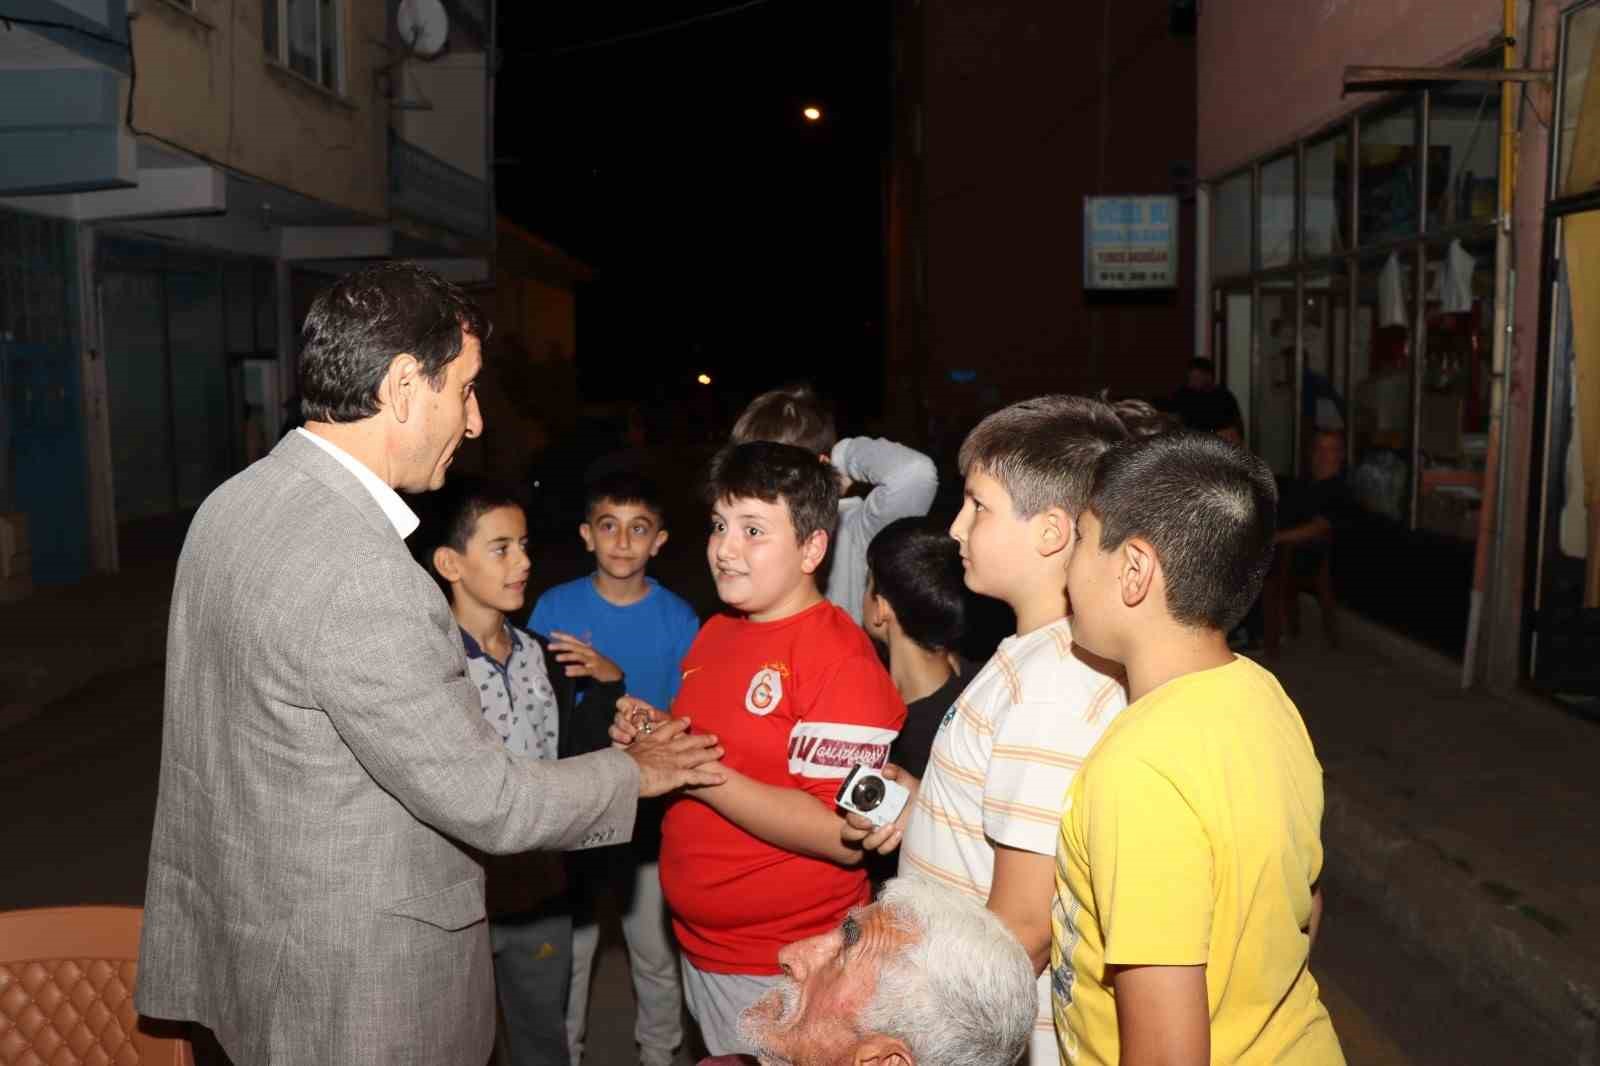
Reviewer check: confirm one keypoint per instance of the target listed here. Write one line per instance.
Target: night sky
(729, 235)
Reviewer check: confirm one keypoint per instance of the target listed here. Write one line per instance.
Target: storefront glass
(1327, 223)
(1230, 250)
(1276, 212)
(1272, 400)
(1463, 154)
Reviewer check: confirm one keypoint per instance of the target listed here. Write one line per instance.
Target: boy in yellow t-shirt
(1190, 846)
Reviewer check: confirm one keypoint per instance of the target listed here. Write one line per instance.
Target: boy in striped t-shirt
(988, 810)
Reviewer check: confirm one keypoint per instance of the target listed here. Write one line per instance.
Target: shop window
(1324, 337)
(1237, 323)
(1454, 412)
(1230, 242)
(1272, 402)
(304, 35)
(1580, 103)
(1463, 153)
(1327, 226)
(1381, 348)
(1389, 196)
(1276, 212)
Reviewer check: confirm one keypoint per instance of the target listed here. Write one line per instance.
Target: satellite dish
(424, 27)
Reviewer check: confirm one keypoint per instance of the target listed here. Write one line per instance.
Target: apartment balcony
(425, 189)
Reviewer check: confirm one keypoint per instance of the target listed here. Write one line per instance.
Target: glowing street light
(813, 114)
(704, 379)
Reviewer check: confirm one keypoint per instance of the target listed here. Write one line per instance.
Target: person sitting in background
(1201, 403)
(915, 607)
(884, 988)
(899, 482)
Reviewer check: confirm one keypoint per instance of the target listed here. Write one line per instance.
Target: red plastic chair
(66, 991)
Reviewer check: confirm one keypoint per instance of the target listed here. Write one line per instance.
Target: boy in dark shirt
(915, 607)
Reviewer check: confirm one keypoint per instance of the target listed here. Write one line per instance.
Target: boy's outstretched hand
(580, 658)
(859, 831)
(635, 718)
(670, 758)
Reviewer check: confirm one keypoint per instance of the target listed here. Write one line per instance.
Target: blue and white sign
(1130, 242)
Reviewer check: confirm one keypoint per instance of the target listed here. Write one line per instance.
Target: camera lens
(868, 793)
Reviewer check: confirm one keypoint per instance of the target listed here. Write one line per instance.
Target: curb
(1494, 953)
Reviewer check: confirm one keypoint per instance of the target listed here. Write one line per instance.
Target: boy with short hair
(900, 482)
(796, 693)
(619, 620)
(482, 558)
(916, 608)
(1190, 847)
(986, 813)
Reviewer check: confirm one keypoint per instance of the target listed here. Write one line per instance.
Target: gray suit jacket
(324, 759)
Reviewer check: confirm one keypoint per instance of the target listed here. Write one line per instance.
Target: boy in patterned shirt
(529, 699)
(985, 817)
(795, 691)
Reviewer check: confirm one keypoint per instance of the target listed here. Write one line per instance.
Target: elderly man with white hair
(923, 977)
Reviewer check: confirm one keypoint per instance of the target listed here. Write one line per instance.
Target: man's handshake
(669, 756)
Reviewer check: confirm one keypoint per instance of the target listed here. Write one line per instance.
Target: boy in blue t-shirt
(618, 621)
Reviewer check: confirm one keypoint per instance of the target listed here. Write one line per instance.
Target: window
(1275, 212)
(1327, 229)
(1463, 153)
(304, 36)
(1389, 193)
(1230, 248)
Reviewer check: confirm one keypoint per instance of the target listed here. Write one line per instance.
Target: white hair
(963, 992)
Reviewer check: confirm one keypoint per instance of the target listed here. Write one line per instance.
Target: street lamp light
(813, 114)
(704, 379)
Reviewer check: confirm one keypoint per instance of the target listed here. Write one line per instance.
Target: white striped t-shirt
(1002, 761)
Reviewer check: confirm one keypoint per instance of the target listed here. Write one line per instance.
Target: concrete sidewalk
(65, 637)
(1470, 822)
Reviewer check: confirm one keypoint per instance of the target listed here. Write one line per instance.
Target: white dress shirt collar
(403, 518)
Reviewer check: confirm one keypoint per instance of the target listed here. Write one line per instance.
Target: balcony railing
(431, 190)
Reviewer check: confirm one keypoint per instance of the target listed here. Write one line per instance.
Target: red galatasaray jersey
(796, 703)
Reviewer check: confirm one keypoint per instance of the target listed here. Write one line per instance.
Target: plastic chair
(66, 991)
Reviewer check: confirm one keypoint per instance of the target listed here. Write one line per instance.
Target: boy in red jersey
(795, 691)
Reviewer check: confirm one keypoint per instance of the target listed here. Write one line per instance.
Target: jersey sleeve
(1149, 867)
(854, 719)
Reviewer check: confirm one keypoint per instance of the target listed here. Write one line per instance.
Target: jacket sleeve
(904, 481)
(389, 672)
(584, 726)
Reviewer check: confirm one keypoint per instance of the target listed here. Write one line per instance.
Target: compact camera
(871, 795)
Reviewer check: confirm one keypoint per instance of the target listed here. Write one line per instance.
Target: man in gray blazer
(325, 764)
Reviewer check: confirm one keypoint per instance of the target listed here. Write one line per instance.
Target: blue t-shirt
(647, 639)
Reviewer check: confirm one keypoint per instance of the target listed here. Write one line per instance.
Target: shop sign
(1130, 242)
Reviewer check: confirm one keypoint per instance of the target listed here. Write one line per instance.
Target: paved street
(78, 783)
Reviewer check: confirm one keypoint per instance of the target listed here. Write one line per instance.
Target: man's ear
(880, 1050)
(661, 538)
(812, 551)
(400, 385)
(587, 534)
(447, 563)
(1137, 574)
(1054, 531)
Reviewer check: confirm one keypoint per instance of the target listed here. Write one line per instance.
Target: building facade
(1387, 256)
(178, 178)
(1001, 129)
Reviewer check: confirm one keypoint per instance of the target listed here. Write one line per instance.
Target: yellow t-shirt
(1192, 837)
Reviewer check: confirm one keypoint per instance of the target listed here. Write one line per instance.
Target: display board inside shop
(1130, 242)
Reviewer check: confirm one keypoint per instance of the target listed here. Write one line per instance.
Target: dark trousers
(532, 971)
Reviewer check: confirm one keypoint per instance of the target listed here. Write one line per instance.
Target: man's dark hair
(790, 415)
(769, 472)
(1043, 450)
(1207, 507)
(362, 321)
(916, 566)
(623, 486)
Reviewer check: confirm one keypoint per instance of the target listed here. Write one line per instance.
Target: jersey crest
(766, 689)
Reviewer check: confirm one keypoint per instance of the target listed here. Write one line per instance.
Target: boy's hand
(635, 718)
(581, 659)
(670, 758)
(859, 831)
